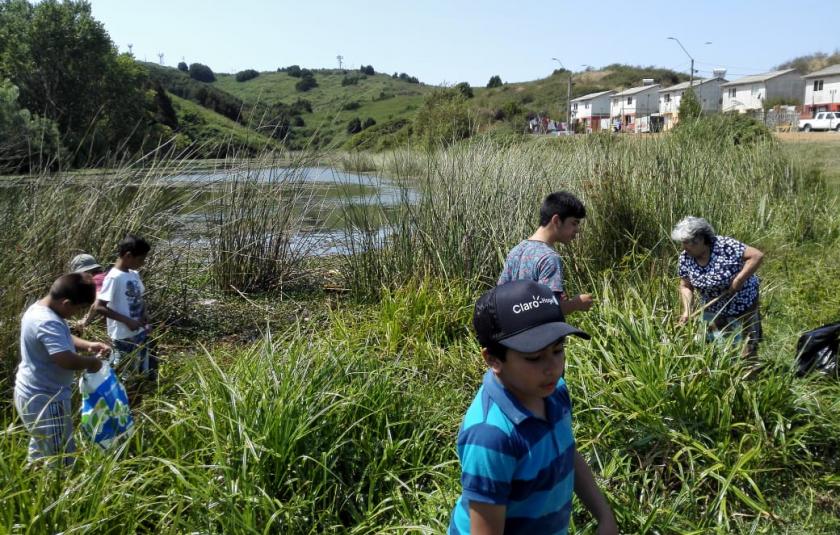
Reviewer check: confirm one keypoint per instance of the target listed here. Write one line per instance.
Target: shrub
(689, 106)
(294, 71)
(465, 89)
(495, 81)
(354, 126)
(350, 106)
(443, 119)
(351, 80)
(723, 129)
(368, 123)
(306, 82)
(301, 105)
(247, 74)
(183, 67)
(201, 72)
(410, 79)
(367, 69)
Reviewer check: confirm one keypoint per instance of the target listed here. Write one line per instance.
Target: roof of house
(590, 96)
(634, 90)
(684, 85)
(758, 77)
(828, 71)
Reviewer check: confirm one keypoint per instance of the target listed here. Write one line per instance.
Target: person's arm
(73, 361)
(487, 518)
(686, 298)
(581, 302)
(752, 259)
(89, 317)
(102, 308)
(587, 490)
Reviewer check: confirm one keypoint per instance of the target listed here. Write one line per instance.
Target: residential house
(589, 110)
(708, 93)
(751, 92)
(822, 91)
(630, 105)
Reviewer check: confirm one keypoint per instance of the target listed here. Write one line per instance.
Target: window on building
(629, 100)
(732, 92)
(667, 97)
(818, 85)
(574, 106)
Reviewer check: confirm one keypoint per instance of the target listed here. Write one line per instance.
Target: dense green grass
(343, 418)
(822, 150)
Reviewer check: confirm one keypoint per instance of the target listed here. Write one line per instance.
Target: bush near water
(331, 413)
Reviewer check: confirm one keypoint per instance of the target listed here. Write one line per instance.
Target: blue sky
(446, 42)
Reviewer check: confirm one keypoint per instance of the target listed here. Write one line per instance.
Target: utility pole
(691, 74)
(339, 58)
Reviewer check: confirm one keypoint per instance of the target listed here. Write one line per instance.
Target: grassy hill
(214, 135)
(320, 116)
(333, 105)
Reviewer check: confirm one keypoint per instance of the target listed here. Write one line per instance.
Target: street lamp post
(568, 97)
(691, 75)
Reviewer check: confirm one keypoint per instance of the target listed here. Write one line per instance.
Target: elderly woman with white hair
(722, 270)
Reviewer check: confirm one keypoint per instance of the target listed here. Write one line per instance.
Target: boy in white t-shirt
(49, 358)
(121, 301)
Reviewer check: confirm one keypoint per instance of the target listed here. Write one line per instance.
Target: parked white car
(824, 120)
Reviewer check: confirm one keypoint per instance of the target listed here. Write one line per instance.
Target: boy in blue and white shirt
(121, 301)
(519, 463)
(49, 359)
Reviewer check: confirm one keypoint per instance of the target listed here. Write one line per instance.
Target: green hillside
(383, 104)
(379, 97)
(213, 135)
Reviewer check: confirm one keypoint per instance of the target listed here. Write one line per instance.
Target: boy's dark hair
(563, 204)
(483, 325)
(135, 245)
(78, 288)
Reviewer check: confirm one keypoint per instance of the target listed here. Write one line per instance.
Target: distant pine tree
(495, 81)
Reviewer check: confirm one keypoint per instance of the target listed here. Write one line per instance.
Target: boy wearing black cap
(519, 463)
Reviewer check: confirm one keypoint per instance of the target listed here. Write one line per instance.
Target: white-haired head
(693, 229)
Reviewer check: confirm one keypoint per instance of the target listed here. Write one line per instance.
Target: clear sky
(450, 41)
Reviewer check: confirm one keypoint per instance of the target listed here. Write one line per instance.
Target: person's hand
(584, 302)
(94, 365)
(682, 320)
(134, 325)
(100, 349)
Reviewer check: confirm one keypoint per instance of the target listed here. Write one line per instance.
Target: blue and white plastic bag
(105, 410)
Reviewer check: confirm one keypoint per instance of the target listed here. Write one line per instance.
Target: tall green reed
(476, 200)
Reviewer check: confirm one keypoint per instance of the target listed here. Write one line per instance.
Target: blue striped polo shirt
(510, 457)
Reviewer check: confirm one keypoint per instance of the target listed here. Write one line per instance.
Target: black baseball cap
(522, 315)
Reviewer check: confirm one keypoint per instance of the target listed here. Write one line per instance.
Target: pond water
(327, 232)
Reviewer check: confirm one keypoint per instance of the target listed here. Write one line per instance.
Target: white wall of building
(585, 109)
(751, 96)
(787, 86)
(642, 103)
(829, 93)
(707, 93)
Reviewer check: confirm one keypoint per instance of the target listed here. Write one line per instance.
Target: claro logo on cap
(518, 308)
